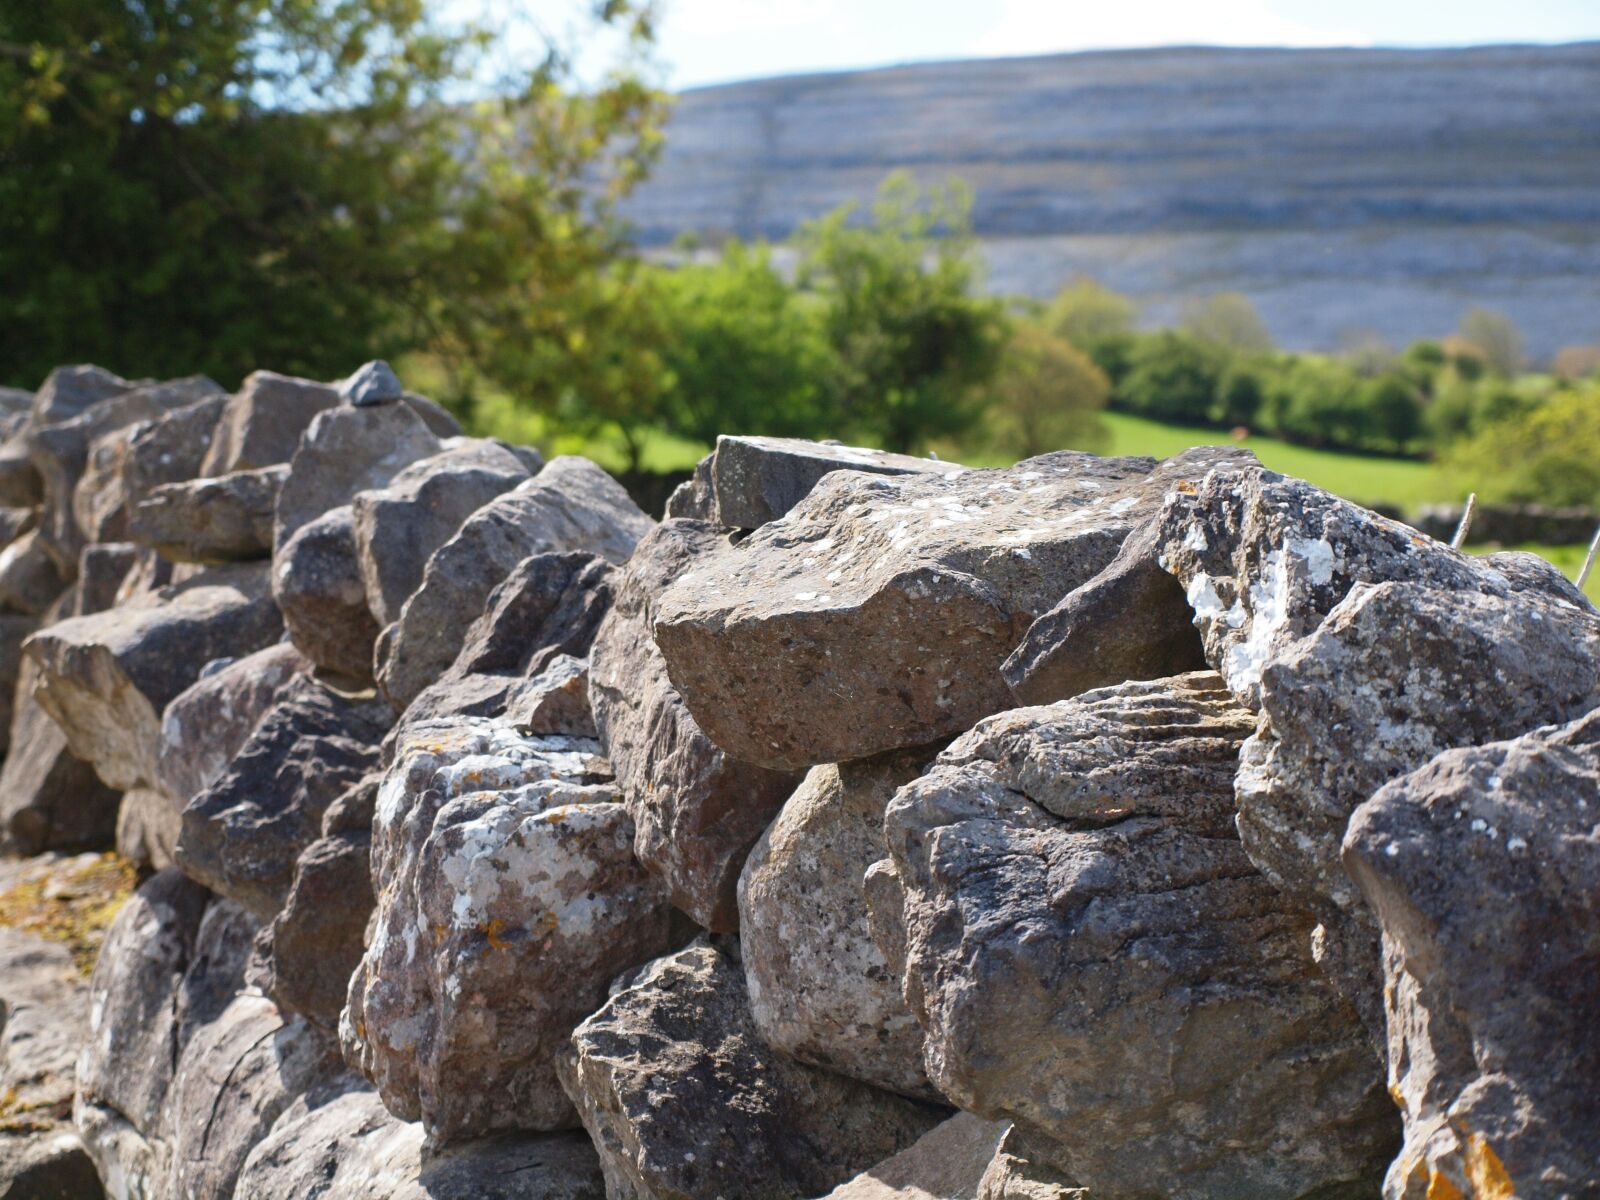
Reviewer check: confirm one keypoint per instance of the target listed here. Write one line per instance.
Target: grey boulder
(510, 859)
(316, 582)
(30, 580)
(224, 519)
(877, 612)
(399, 525)
(1091, 954)
(242, 834)
(339, 1143)
(106, 678)
(820, 988)
(946, 1163)
(1481, 868)
(370, 384)
(676, 1038)
(757, 479)
(263, 421)
(696, 810)
(67, 391)
(569, 505)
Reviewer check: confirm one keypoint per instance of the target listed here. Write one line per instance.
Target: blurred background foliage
(220, 185)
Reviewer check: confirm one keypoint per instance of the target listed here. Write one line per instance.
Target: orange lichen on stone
(1490, 1181)
(1441, 1187)
(492, 932)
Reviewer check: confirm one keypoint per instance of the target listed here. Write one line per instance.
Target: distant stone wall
(1510, 524)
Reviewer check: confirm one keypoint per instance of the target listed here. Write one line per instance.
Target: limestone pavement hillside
(394, 815)
(1374, 190)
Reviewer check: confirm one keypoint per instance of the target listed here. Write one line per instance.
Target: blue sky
(713, 41)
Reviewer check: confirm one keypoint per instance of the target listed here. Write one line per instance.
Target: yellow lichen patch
(1487, 1173)
(74, 905)
(1184, 486)
(39, 1115)
(492, 932)
(1441, 1187)
(1398, 1097)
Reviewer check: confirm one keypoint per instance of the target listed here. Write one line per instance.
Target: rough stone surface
(67, 391)
(60, 453)
(147, 828)
(1131, 621)
(49, 800)
(758, 479)
(877, 612)
(946, 1163)
(696, 810)
(205, 725)
(44, 1017)
(20, 485)
(511, 860)
(1481, 868)
(348, 1147)
(317, 937)
(372, 383)
(399, 526)
(14, 630)
(225, 519)
(345, 451)
(820, 988)
(695, 499)
(242, 835)
(1090, 952)
(316, 581)
(1016, 1173)
(570, 505)
(235, 1077)
(263, 421)
(105, 678)
(528, 649)
(29, 577)
(677, 1038)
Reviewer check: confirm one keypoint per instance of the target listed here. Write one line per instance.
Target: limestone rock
(317, 936)
(820, 988)
(1016, 1173)
(49, 799)
(570, 505)
(209, 722)
(345, 451)
(235, 1077)
(242, 835)
(60, 453)
(510, 859)
(44, 1017)
(695, 809)
(316, 581)
(263, 421)
(677, 1039)
(67, 391)
(225, 519)
(347, 1147)
(371, 384)
(1091, 953)
(1131, 621)
(695, 499)
(529, 648)
(125, 465)
(877, 612)
(1481, 867)
(29, 577)
(105, 678)
(946, 1163)
(14, 522)
(20, 485)
(400, 525)
(148, 823)
(758, 479)
(14, 630)
(103, 571)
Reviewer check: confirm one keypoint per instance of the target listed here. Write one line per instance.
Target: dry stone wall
(867, 827)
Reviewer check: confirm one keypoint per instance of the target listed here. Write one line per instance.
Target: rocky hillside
(868, 827)
(1342, 189)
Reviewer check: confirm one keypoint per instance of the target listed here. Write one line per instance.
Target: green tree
(1227, 319)
(743, 350)
(914, 345)
(1047, 396)
(1393, 410)
(1549, 454)
(1086, 313)
(1496, 336)
(216, 185)
(1239, 396)
(1171, 377)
